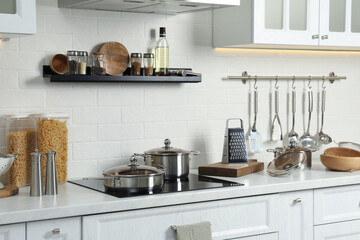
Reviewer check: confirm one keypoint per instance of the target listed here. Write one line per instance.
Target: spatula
(255, 142)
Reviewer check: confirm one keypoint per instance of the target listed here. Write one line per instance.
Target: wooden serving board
(116, 57)
(9, 191)
(232, 169)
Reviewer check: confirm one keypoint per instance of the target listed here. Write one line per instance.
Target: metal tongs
(276, 117)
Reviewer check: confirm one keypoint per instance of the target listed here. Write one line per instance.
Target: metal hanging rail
(245, 77)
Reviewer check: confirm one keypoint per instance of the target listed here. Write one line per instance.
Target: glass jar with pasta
(52, 134)
(20, 139)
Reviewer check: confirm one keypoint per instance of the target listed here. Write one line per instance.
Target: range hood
(148, 6)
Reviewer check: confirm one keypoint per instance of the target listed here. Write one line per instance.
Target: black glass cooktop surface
(192, 182)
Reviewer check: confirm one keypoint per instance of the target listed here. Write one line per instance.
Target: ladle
(292, 136)
(323, 137)
(308, 141)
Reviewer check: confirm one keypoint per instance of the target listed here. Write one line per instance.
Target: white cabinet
(230, 219)
(296, 214)
(336, 204)
(270, 236)
(12, 232)
(338, 231)
(295, 24)
(59, 229)
(17, 17)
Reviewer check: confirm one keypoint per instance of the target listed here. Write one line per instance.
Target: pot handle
(143, 155)
(271, 150)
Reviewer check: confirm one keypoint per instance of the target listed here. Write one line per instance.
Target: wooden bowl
(340, 163)
(341, 152)
(59, 64)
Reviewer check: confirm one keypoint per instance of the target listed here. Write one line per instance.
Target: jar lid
(83, 53)
(148, 55)
(17, 115)
(167, 150)
(72, 53)
(136, 55)
(55, 115)
(133, 170)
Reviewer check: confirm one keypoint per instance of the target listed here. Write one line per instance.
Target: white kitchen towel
(196, 231)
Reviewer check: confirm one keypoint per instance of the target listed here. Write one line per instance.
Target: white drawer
(338, 231)
(336, 204)
(12, 232)
(229, 219)
(59, 229)
(270, 236)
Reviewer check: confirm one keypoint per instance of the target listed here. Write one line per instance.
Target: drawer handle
(325, 37)
(56, 231)
(316, 36)
(298, 200)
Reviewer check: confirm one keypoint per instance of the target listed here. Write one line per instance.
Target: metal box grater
(234, 150)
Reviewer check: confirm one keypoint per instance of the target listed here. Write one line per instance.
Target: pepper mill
(51, 187)
(36, 187)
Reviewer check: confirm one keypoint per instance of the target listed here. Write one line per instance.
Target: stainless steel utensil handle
(323, 100)
(255, 102)
(276, 101)
(293, 101)
(227, 122)
(310, 93)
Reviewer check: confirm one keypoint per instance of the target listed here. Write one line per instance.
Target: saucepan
(175, 161)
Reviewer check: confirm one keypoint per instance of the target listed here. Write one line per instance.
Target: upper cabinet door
(17, 17)
(286, 22)
(340, 23)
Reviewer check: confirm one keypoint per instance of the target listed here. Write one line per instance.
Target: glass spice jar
(83, 62)
(136, 64)
(20, 139)
(98, 66)
(149, 64)
(73, 62)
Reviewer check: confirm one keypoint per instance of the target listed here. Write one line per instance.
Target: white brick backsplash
(96, 150)
(111, 28)
(143, 114)
(82, 133)
(120, 132)
(70, 98)
(97, 115)
(71, 25)
(185, 113)
(207, 96)
(22, 98)
(165, 96)
(165, 130)
(8, 79)
(42, 42)
(110, 121)
(121, 97)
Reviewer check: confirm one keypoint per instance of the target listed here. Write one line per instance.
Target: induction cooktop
(192, 183)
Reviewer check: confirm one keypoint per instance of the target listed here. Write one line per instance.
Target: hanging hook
(323, 83)
(309, 82)
(276, 82)
(255, 83)
(293, 83)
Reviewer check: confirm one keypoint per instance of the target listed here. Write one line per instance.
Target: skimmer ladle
(292, 135)
(306, 140)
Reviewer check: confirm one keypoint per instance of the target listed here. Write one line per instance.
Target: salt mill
(36, 187)
(51, 178)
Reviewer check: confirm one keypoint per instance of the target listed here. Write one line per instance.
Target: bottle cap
(162, 31)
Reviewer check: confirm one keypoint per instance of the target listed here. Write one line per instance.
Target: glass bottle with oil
(162, 54)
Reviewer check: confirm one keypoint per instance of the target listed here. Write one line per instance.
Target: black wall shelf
(126, 77)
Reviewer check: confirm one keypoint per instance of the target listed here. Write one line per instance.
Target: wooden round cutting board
(116, 56)
(9, 191)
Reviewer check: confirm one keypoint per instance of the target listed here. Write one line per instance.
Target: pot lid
(167, 150)
(286, 163)
(133, 170)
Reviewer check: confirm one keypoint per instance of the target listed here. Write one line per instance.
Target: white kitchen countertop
(74, 200)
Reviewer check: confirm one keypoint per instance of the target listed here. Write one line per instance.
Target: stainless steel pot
(134, 177)
(175, 161)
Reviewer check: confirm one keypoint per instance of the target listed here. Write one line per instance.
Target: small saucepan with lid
(175, 161)
(133, 177)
